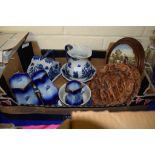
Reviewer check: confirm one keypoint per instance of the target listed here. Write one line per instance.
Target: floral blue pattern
(69, 64)
(51, 66)
(86, 74)
(78, 66)
(75, 75)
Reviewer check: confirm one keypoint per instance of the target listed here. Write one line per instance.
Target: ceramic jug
(78, 66)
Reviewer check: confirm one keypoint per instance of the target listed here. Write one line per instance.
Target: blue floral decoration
(69, 64)
(52, 70)
(75, 75)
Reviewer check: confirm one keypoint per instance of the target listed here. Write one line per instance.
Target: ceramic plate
(122, 53)
(69, 77)
(129, 51)
(86, 95)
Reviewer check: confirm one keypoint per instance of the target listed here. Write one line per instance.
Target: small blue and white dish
(51, 66)
(78, 66)
(22, 88)
(87, 74)
(74, 93)
(49, 93)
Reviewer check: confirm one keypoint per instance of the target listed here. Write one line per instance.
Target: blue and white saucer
(68, 77)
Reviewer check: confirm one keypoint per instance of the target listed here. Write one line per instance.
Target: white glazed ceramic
(78, 66)
(68, 77)
(86, 95)
(81, 52)
(51, 66)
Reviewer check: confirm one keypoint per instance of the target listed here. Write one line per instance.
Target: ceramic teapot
(78, 66)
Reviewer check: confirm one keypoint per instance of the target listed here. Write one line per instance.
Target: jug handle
(67, 48)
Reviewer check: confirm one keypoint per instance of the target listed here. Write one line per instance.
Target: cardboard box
(79, 119)
(110, 120)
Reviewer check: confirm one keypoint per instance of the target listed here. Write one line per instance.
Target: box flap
(10, 40)
(111, 120)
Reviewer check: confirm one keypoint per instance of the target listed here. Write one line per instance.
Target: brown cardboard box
(12, 41)
(110, 120)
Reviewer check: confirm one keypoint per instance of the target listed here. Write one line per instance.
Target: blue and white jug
(78, 66)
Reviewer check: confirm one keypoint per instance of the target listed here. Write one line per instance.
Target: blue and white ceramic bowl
(51, 66)
(87, 74)
(85, 92)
